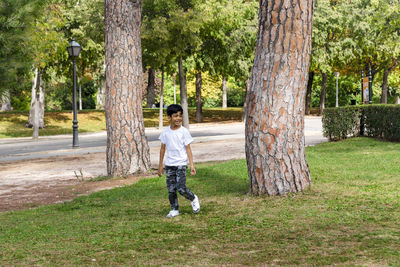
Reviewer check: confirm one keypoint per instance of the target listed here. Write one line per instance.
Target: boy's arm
(190, 157)
(161, 165)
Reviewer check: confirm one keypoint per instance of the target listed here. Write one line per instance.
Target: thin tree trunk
(37, 96)
(308, 94)
(160, 121)
(127, 148)
(80, 94)
(275, 149)
(151, 88)
(174, 88)
(199, 100)
(100, 99)
(224, 93)
(183, 93)
(397, 100)
(322, 96)
(384, 86)
(5, 102)
(385, 80)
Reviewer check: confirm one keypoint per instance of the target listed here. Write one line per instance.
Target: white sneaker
(172, 213)
(195, 204)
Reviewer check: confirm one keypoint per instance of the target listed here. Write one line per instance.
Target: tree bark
(224, 93)
(161, 116)
(100, 99)
(151, 88)
(37, 96)
(127, 148)
(5, 102)
(183, 93)
(397, 100)
(385, 80)
(308, 94)
(199, 100)
(275, 149)
(322, 96)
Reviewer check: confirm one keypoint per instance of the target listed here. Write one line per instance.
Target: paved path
(61, 145)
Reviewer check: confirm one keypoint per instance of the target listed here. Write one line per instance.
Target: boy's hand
(160, 171)
(192, 171)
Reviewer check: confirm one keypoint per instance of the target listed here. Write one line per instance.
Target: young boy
(177, 139)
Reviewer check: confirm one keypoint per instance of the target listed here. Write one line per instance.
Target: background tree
(275, 150)
(127, 148)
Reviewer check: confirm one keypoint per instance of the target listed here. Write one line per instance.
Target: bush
(378, 121)
(339, 123)
(382, 121)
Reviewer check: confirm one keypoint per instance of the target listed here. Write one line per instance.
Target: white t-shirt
(176, 142)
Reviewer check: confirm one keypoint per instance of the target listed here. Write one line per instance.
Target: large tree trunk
(308, 94)
(6, 102)
(151, 88)
(199, 100)
(224, 93)
(183, 93)
(127, 148)
(37, 101)
(275, 149)
(322, 96)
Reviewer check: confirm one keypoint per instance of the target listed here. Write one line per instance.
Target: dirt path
(31, 183)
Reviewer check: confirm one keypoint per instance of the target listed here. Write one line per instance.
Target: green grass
(349, 217)
(12, 124)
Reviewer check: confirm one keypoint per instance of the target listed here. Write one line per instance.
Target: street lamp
(73, 50)
(337, 89)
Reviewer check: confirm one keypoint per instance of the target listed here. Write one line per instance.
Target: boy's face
(176, 119)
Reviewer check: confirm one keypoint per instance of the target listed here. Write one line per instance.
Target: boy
(177, 139)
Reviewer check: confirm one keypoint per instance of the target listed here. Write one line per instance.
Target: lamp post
(337, 88)
(73, 50)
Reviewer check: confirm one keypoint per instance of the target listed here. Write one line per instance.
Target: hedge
(378, 121)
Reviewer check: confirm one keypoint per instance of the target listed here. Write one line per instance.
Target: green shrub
(339, 123)
(378, 121)
(382, 121)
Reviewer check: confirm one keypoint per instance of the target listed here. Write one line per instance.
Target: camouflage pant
(176, 181)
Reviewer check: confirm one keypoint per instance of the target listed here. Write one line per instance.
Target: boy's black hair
(174, 108)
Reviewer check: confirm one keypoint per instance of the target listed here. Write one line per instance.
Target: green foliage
(382, 121)
(379, 121)
(339, 123)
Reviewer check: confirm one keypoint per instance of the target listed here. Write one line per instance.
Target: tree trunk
(37, 96)
(308, 94)
(80, 94)
(224, 93)
(246, 95)
(385, 80)
(151, 88)
(397, 100)
(384, 87)
(174, 88)
(183, 93)
(322, 97)
(100, 99)
(160, 120)
(199, 100)
(275, 149)
(127, 148)
(5, 102)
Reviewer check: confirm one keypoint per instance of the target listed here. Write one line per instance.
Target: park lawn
(350, 216)
(12, 124)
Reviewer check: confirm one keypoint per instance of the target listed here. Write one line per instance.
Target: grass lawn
(12, 124)
(349, 217)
